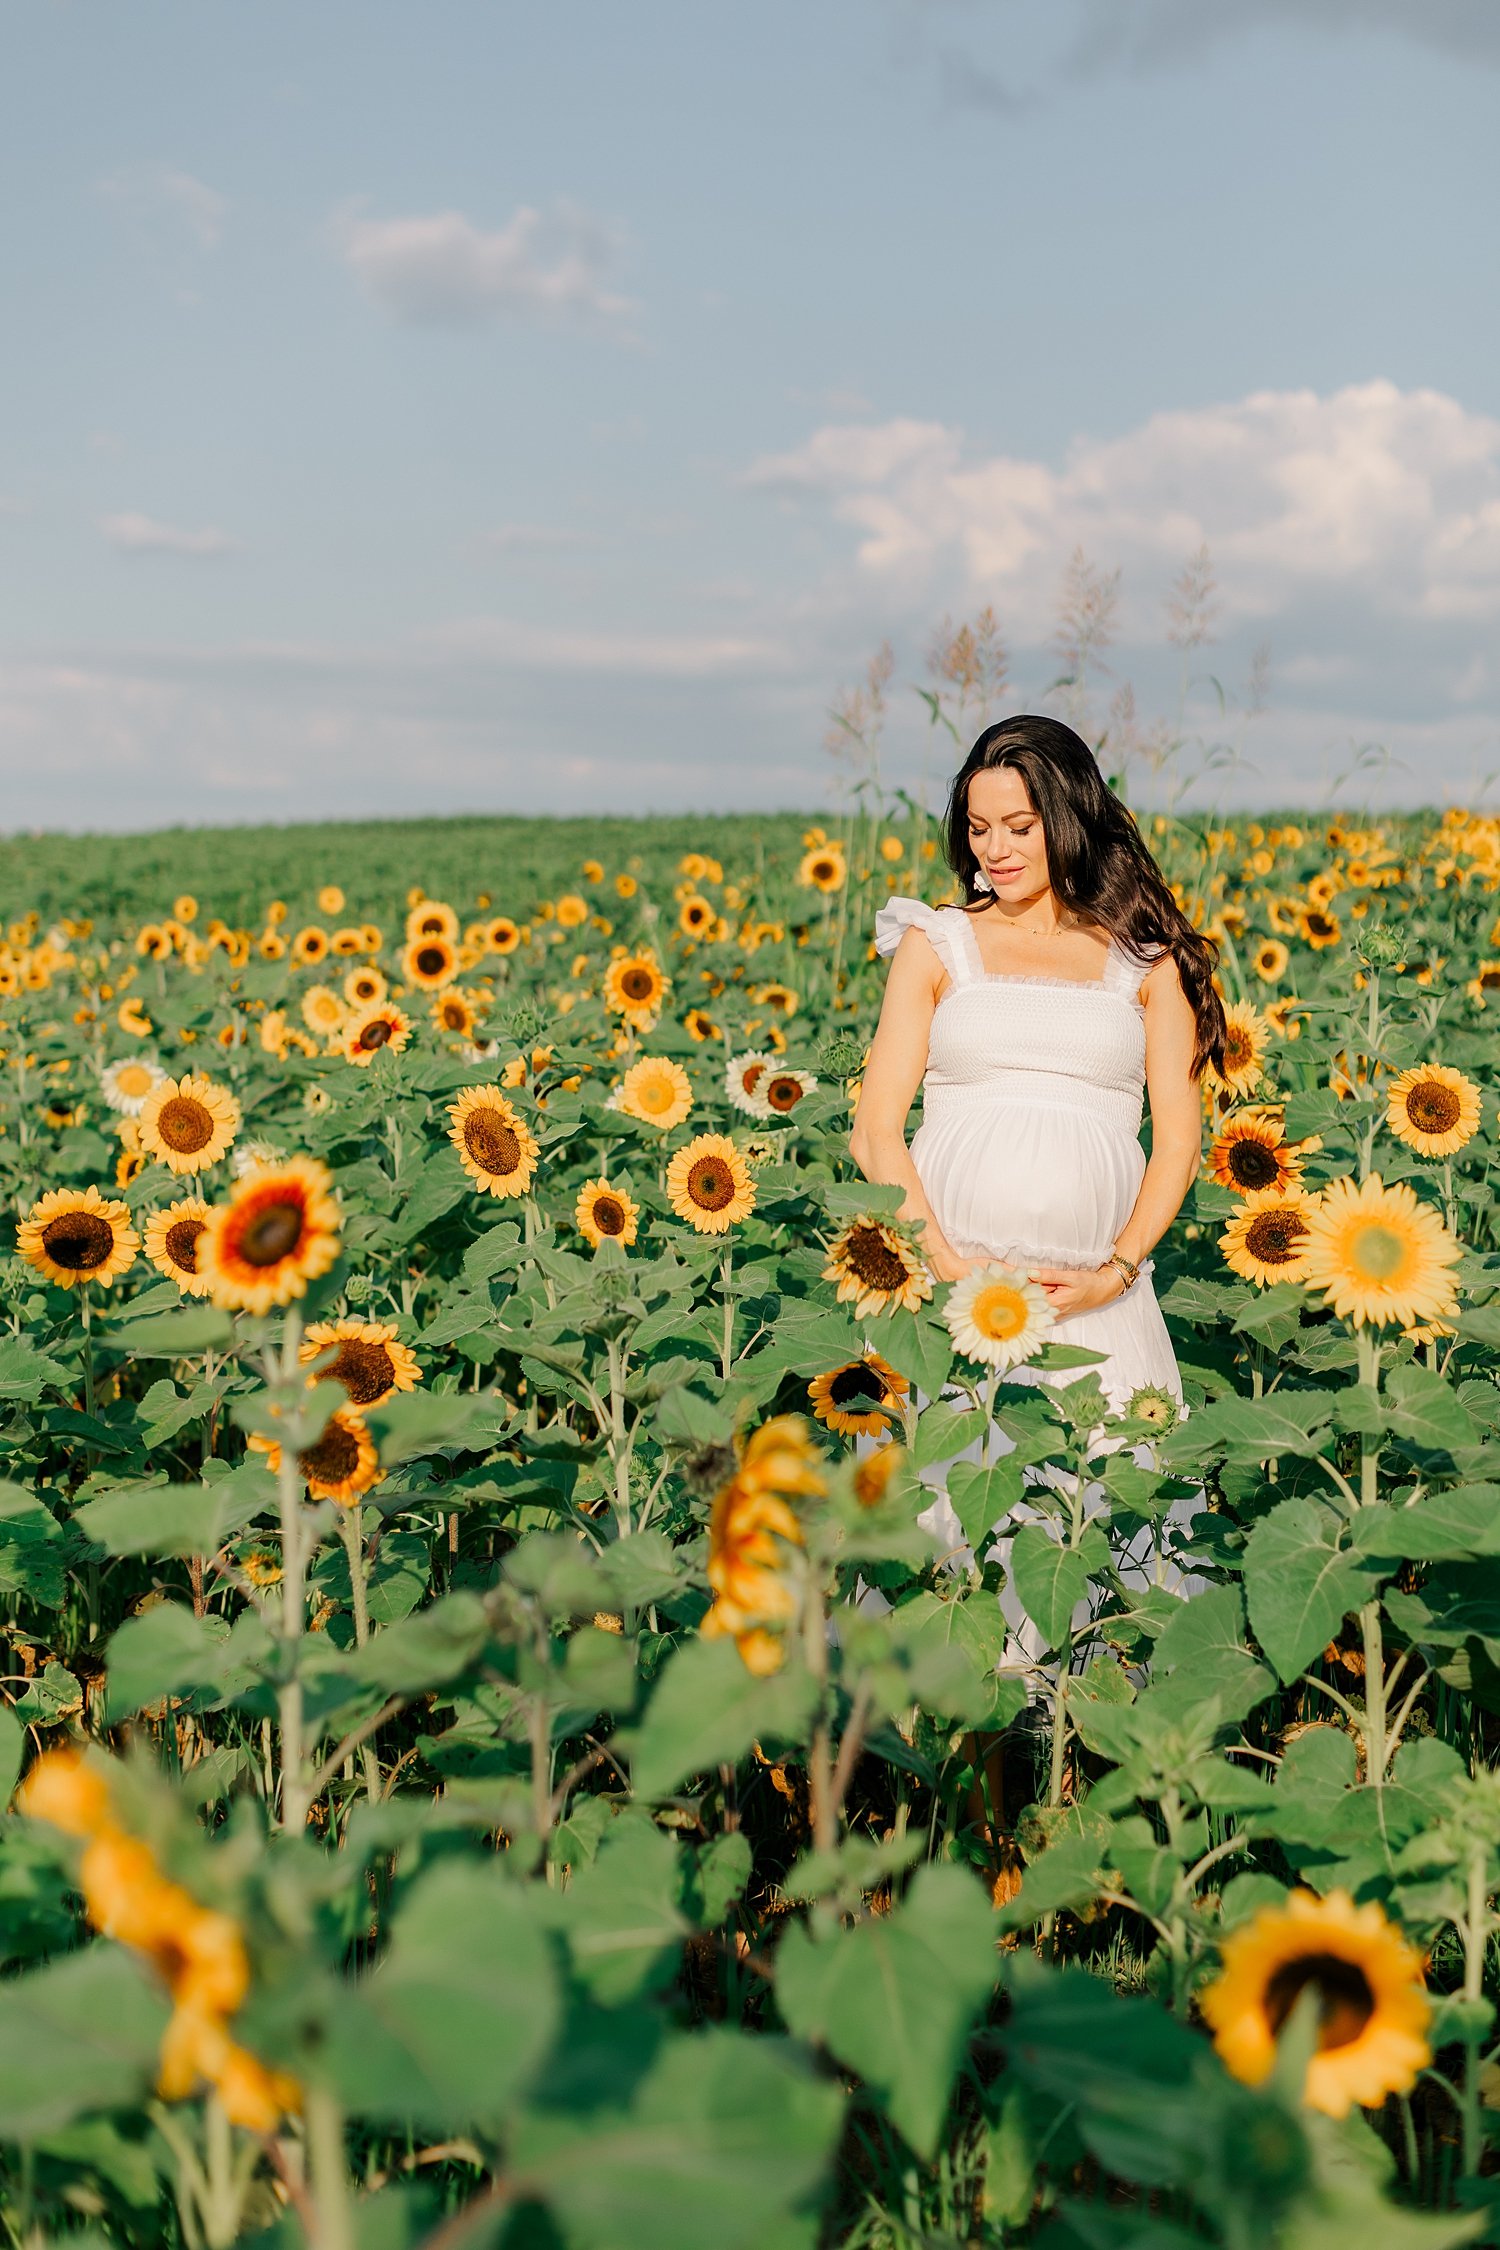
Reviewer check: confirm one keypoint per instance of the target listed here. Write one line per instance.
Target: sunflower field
(493, 1757)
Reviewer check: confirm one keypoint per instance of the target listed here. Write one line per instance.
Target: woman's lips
(1003, 874)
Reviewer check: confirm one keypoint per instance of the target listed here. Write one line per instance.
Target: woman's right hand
(946, 1264)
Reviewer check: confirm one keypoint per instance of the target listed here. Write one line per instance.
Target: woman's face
(1005, 836)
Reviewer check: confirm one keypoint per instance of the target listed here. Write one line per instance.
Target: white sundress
(1029, 1152)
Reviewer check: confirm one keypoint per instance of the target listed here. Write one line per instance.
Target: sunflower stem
(1475, 1930)
(329, 2166)
(295, 1797)
(352, 1533)
(726, 1272)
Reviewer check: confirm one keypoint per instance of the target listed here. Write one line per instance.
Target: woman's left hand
(1073, 1289)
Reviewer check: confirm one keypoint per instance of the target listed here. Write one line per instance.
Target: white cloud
(157, 196)
(143, 535)
(1370, 495)
(546, 266)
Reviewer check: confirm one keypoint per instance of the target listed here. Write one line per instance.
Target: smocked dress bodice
(1029, 1148)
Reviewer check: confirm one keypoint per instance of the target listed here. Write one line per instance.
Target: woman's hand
(945, 1263)
(1073, 1289)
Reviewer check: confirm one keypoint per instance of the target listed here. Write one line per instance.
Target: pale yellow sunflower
(1378, 1254)
(188, 1123)
(1433, 1109)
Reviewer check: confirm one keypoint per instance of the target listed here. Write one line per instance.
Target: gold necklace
(1066, 921)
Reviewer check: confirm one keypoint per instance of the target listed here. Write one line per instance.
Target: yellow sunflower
(278, 1231)
(330, 899)
(369, 1359)
(572, 911)
(656, 1091)
(364, 987)
(1484, 985)
(73, 1235)
(1267, 1239)
(372, 1031)
(634, 987)
(340, 1465)
(700, 1027)
(322, 1010)
(709, 1184)
(172, 1237)
(1372, 2007)
(503, 935)
(1250, 1153)
(1246, 1036)
(430, 962)
(430, 917)
(1433, 1109)
(605, 1214)
(876, 1269)
(695, 917)
(188, 1123)
(495, 1145)
(1319, 927)
(753, 1534)
(780, 998)
(310, 945)
(857, 1398)
(1269, 960)
(454, 1012)
(1379, 1255)
(823, 868)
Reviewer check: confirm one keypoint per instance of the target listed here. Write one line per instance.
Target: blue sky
(477, 406)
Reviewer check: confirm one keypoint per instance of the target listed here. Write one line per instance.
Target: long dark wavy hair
(1097, 862)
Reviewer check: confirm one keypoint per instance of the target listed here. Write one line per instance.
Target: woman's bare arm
(1176, 1145)
(892, 1075)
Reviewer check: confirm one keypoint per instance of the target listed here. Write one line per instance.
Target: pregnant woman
(1034, 1016)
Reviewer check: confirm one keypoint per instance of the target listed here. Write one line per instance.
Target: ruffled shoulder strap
(944, 928)
(1129, 966)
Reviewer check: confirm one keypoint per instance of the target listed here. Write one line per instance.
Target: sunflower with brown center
(1247, 1034)
(779, 998)
(696, 917)
(310, 946)
(369, 1359)
(605, 1214)
(1269, 960)
(655, 1090)
(823, 869)
(859, 1398)
(74, 1235)
(779, 1091)
(635, 987)
(373, 1031)
(495, 1146)
(503, 935)
(1361, 1980)
(1267, 1239)
(188, 1123)
(455, 1013)
(341, 1465)
(700, 1027)
(1250, 1153)
(364, 987)
(1433, 1109)
(278, 1231)
(876, 1269)
(709, 1184)
(172, 1238)
(743, 1075)
(431, 918)
(1319, 927)
(430, 962)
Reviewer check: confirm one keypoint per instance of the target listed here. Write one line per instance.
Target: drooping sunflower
(1269, 960)
(634, 987)
(430, 962)
(742, 1081)
(1267, 1239)
(873, 1474)
(823, 868)
(876, 1269)
(605, 1214)
(1433, 1109)
(1319, 927)
(126, 1084)
(340, 1465)
(73, 1235)
(860, 1398)
(1250, 1153)
(1372, 2007)
(369, 1359)
(278, 1231)
(780, 1090)
(372, 1031)
(655, 1090)
(709, 1184)
(188, 1123)
(363, 987)
(172, 1238)
(1246, 1036)
(495, 1145)
(1379, 1255)
(753, 1535)
(997, 1316)
(700, 1027)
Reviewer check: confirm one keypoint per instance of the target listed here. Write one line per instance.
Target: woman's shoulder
(936, 924)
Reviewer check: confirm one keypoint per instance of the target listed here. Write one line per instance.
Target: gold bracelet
(1119, 1259)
